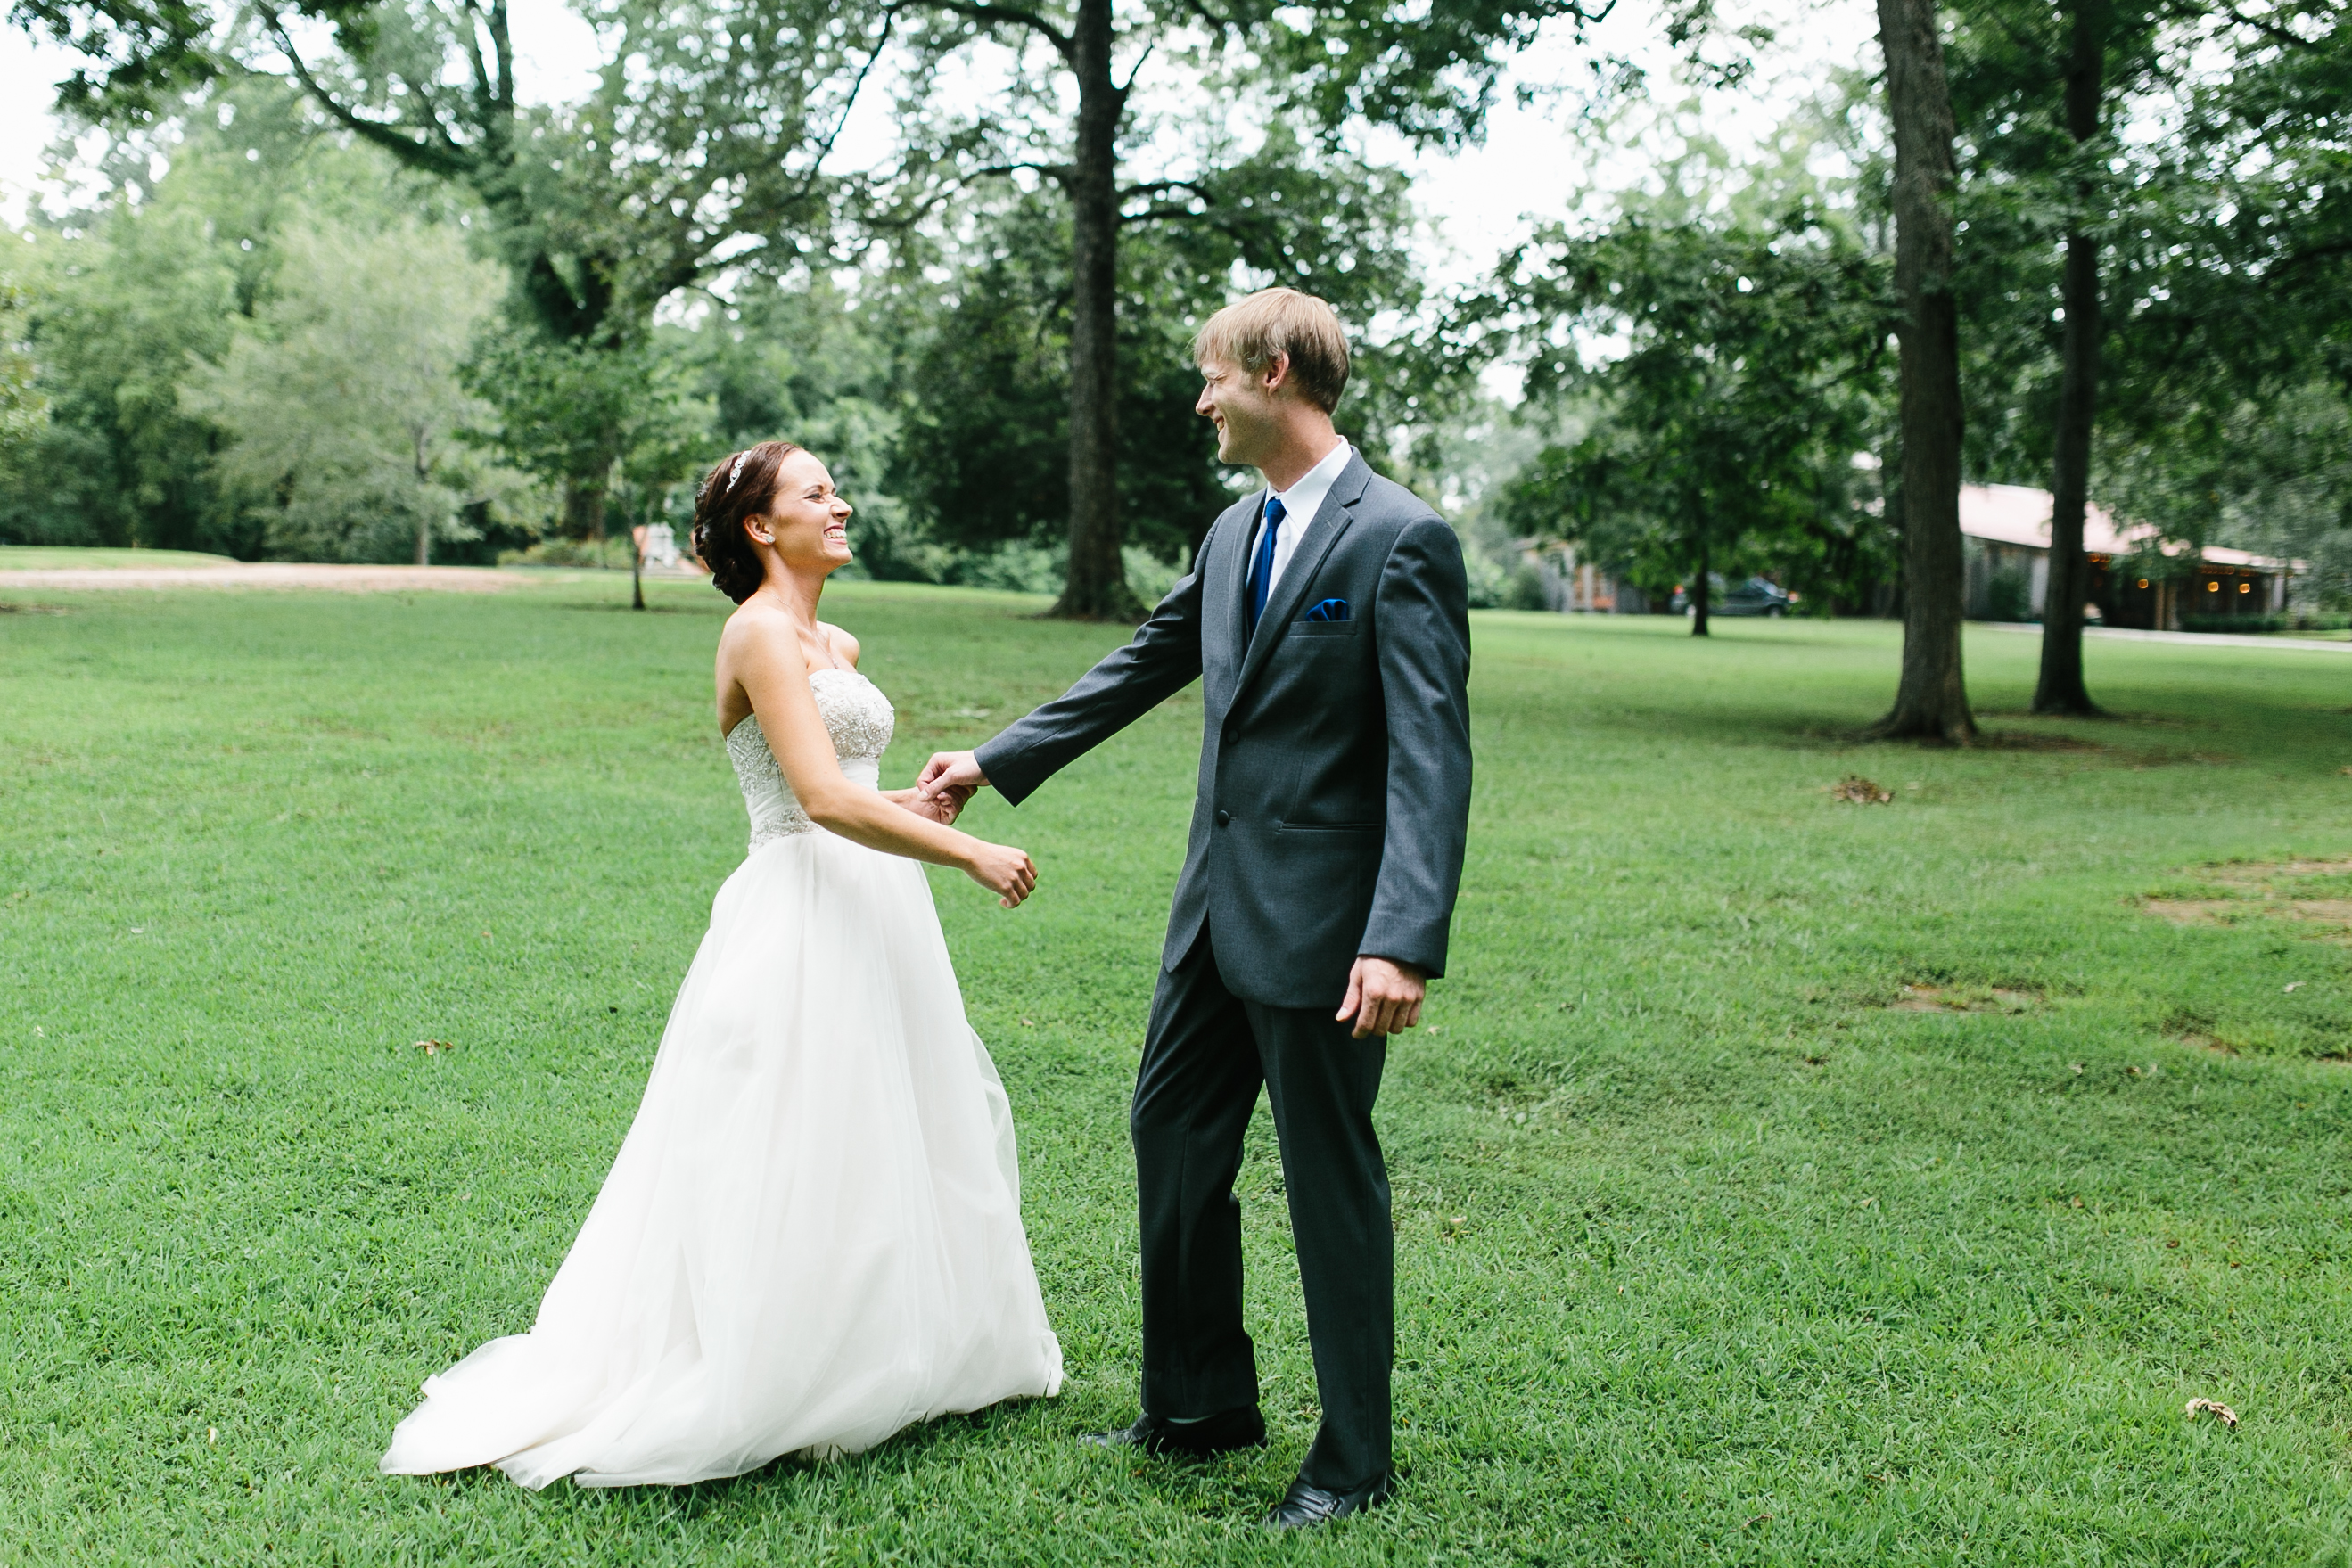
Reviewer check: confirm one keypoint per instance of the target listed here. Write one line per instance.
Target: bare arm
(761, 652)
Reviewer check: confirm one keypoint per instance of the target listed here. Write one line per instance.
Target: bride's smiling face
(807, 522)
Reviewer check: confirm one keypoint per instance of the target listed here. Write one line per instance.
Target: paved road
(273, 574)
(2195, 639)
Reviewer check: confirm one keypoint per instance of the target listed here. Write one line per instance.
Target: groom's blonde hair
(1250, 332)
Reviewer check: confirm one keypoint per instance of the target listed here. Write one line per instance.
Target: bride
(811, 1236)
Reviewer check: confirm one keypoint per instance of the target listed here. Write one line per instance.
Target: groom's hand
(1383, 997)
(950, 770)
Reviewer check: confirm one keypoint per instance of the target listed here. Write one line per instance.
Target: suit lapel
(1331, 520)
(1233, 575)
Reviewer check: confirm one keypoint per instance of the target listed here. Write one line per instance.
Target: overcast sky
(1477, 202)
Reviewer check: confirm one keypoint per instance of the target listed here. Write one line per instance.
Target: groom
(1326, 617)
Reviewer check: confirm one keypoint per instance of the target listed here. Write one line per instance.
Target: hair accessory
(735, 473)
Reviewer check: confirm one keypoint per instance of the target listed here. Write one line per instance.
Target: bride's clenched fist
(1005, 871)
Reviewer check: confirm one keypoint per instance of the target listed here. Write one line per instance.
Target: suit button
(1224, 819)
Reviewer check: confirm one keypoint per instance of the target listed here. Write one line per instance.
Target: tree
(704, 140)
(2227, 255)
(1931, 700)
(807, 359)
(1731, 419)
(24, 412)
(1429, 71)
(152, 280)
(2060, 687)
(341, 399)
(2056, 207)
(2272, 475)
(982, 455)
(573, 412)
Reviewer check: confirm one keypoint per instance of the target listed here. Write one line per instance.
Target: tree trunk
(2061, 689)
(423, 468)
(1096, 586)
(583, 510)
(1701, 588)
(1931, 701)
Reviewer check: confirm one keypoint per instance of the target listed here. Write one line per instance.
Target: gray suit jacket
(1335, 763)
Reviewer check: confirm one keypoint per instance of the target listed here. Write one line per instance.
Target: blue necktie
(1262, 569)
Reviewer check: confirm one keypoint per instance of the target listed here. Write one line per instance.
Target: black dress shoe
(1302, 1505)
(1242, 1428)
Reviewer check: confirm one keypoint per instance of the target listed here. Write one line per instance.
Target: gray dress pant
(1205, 1058)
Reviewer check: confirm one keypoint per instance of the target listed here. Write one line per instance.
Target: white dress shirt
(1299, 505)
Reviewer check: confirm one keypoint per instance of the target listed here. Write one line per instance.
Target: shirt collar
(1305, 499)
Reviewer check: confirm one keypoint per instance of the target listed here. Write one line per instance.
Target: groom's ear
(1276, 374)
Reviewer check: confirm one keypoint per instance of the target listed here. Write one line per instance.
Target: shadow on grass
(650, 608)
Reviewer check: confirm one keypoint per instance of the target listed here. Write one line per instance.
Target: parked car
(1754, 596)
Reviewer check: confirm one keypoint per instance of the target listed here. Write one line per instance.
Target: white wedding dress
(811, 1236)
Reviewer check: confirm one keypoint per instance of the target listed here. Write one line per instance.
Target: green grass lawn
(57, 558)
(1715, 1243)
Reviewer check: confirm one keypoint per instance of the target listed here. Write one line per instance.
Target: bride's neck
(796, 592)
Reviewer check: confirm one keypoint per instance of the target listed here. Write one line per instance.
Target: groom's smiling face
(1242, 408)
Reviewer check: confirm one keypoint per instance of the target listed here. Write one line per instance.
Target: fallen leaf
(1855, 789)
(2291, 985)
(2226, 1417)
(432, 1046)
(1028, 1023)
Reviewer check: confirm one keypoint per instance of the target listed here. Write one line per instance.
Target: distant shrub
(2291, 621)
(570, 552)
(1524, 589)
(2009, 597)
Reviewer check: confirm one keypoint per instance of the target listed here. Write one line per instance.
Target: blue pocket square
(1329, 609)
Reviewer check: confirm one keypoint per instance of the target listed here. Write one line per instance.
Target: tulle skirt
(811, 1236)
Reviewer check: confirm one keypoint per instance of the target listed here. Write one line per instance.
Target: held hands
(1383, 997)
(950, 770)
(943, 808)
(949, 780)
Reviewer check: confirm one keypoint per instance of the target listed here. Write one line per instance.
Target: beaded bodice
(859, 718)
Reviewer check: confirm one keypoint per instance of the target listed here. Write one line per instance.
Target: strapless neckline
(857, 716)
(728, 736)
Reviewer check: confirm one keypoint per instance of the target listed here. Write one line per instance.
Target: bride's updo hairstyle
(739, 489)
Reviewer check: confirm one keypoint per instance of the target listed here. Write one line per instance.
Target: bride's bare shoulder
(844, 645)
(755, 625)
